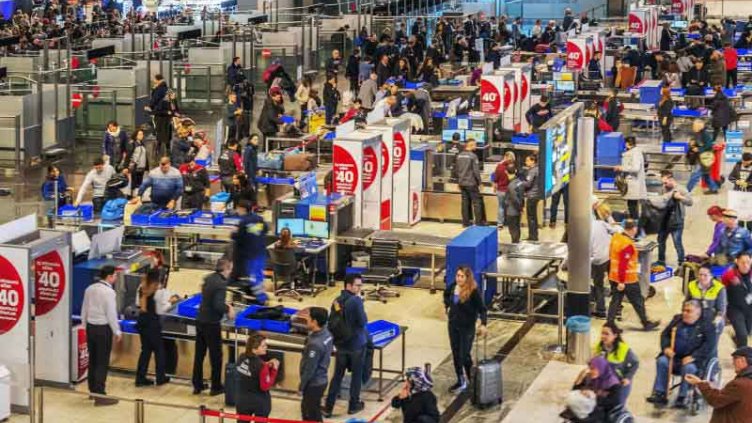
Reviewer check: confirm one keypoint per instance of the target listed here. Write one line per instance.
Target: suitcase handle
(485, 347)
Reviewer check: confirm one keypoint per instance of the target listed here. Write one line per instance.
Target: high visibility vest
(618, 243)
(708, 297)
(615, 357)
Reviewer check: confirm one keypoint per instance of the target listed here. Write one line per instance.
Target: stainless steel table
(532, 274)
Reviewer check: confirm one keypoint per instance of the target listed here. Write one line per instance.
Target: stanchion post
(139, 411)
(41, 403)
(221, 418)
(17, 146)
(201, 417)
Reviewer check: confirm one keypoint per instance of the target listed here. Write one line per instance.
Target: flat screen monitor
(478, 136)
(679, 24)
(564, 86)
(296, 226)
(447, 134)
(316, 229)
(106, 242)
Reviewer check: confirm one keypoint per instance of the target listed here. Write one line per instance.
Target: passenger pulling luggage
(486, 381)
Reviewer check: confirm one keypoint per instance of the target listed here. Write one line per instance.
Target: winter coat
(717, 72)
(721, 108)
(633, 167)
(732, 403)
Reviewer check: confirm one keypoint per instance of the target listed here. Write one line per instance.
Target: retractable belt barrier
(205, 412)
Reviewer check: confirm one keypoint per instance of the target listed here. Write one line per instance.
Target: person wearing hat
(715, 213)
(624, 275)
(734, 239)
(416, 400)
(738, 282)
(733, 403)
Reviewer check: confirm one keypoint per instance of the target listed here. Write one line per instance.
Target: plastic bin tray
(241, 321)
(662, 276)
(207, 218)
(189, 307)
(128, 326)
(84, 212)
(382, 331)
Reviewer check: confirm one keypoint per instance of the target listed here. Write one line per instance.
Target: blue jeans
(662, 376)
(624, 393)
(255, 272)
(676, 235)
(700, 173)
(500, 215)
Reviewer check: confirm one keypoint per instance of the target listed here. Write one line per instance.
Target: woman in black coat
(464, 306)
(273, 109)
(611, 112)
(665, 112)
(417, 402)
(723, 114)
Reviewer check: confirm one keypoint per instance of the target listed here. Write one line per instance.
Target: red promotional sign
(507, 95)
(575, 56)
(266, 53)
(525, 86)
(83, 354)
(516, 93)
(490, 98)
(49, 274)
(384, 159)
(369, 167)
(636, 25)
(187, 68)
(345, 171)
(75, 63)
(11, 296)
(400, 152)
(76, 100)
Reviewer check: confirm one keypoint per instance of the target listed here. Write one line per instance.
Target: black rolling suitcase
(231, 377)
(486, 388)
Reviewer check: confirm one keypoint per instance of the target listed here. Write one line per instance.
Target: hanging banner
(491, 90)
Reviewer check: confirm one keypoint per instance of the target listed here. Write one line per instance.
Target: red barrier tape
(379, 414)
(246, 418)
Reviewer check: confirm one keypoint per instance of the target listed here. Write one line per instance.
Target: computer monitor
(564, 86)
(106, 242)
(478, 136)
(447, 134)
(296, 226)
(80, 242)
(679, 24)
(316, 229)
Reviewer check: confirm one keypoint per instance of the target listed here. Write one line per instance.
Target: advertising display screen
(558, 150)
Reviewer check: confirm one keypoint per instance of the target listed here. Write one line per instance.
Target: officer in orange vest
(624, 274)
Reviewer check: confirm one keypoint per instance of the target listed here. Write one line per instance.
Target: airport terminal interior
(369, 211)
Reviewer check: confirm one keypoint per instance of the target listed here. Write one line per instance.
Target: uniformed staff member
(99, 314)
(197, 187)
(711, 293)
(314, 365)
(249, 250)
(208, 330)
(230, 163)
(255, 378)
(620, 357)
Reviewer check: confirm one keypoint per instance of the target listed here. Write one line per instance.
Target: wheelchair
(618, 414)
(711, 374)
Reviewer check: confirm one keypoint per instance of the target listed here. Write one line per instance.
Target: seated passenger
(711, 294)
(735, 239)
(417, 402)
(688, 341)
(598, 382)
(619, 355)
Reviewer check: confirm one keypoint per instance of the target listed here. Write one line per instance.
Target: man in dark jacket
(539, 113)
(249, 251)
(532, 195)
(568, 21)
(351, 352)
(314, 364)
(738, 281)
(196, 185)
(233, 117)
(732, 403)
(383, 70)
(352, 70)
(271, 113)
(694, 341)
(230, 164)
(233, 73)
(514, 202)
(467, 172)
(208, 331)
(250, 160)
(333, 63)
(160, 108)
(723, 112)
(331, 97)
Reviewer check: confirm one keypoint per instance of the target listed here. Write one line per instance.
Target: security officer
(711, 294)
(314, 365)
(197, 187)
(249, 250)
(230, 163)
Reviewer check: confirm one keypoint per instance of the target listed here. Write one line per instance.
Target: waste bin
(578, 339)
(4, 393)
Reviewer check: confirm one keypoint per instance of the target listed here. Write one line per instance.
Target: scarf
(419, 380)
(606, 375)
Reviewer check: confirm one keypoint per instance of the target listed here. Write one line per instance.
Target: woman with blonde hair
(150, 331)
(464, 305)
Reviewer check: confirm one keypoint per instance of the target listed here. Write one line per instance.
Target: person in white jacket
(603, 228)
(633, 169)
(96, 179)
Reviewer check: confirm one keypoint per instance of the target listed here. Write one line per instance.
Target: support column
(579, 226)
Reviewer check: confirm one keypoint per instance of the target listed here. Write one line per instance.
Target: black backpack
(338, 325)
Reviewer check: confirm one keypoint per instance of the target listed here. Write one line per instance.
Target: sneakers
(326, 412)
(164, 381)
(215, 392)
(681, 403)
(197, 391)
(650, 325)
(552, 225)
(357, 408)
(458, 387)
(599, 314)
(658, 398)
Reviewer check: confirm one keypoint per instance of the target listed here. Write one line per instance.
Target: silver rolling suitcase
(486, 388)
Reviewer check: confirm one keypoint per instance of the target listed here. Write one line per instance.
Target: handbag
(621, 184)
(707, 158)
(604, 126)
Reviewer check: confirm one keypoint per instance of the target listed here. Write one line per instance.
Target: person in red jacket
(501, 179)
(732, 60)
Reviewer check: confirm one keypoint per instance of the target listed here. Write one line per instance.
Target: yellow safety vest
(708, 298)
(616, 356)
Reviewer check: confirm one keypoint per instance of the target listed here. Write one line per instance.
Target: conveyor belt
(535, 250)
(415, 239)
(531, 269)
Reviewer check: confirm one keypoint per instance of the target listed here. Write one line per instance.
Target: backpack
(338, 326)
(267, 75)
